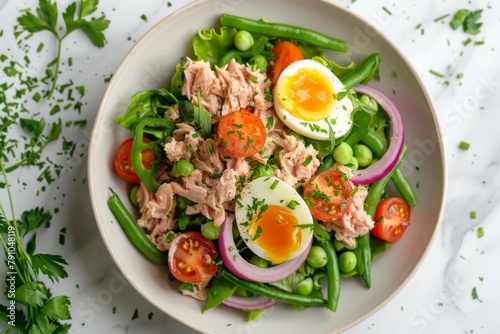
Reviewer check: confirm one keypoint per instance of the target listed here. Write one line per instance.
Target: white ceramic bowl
(151, 63)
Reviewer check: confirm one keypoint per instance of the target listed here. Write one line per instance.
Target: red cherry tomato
(392, 217)
(328, 195)
(190, 258)
(123, 162)
(284, 53)
(241, 133)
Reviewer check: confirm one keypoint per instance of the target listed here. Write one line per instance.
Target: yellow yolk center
(307, 94)
(275, 230)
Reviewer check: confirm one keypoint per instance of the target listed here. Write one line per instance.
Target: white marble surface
(438, 299)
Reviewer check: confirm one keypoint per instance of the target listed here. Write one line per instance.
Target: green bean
(363, 72)
(404, 187)
(398, 178)
(273, 293)
(364, 256)
(374, 195)
(134, 232)
(210, 231)
(332, 274)
(133, 195)
(284, 31)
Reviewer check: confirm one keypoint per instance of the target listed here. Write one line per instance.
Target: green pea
(259, 262)
(343, 153)
(363, 154)
(369, 101)
(354, 164)
(133, 196)
(242, 292)
(243, 40)
(259, 62)
(347, 261)
(183, 167)
(374, 161)
(305, 287)
(210, 231)
(316, 257)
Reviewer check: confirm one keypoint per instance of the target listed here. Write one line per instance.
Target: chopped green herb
(275, 183)
(436, 73)
(463, 145)
(387, 10)
(480, 232)
(144, 18)
(293, 204)
(135, 315)
(474, 295)
(441, 18)
(473, 214)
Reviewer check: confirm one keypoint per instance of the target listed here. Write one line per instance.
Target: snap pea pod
(134, 232)
(398, 178)
(374, 195)
(271, 292)
(363, 73)
(333, 275)
(283, 31)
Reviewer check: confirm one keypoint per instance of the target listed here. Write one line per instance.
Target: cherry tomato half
(123, 162)
(284, 53)
(392, 217)
(190, 258)
(328, 195)
(241, 133)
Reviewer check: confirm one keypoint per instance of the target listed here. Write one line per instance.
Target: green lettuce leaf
(210, 46)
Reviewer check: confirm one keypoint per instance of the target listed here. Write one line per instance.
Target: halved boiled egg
(273, 219)
(310, 100)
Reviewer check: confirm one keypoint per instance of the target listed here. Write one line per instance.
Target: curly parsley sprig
(31, 307)
(74, 18)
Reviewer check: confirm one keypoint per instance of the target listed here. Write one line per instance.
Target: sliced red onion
(235, 263)
(249, 303)
(379, 169)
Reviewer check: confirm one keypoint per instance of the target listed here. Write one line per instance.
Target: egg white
(339, 117)
(271, 191)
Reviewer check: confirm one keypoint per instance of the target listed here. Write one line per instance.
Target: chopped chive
(460, 75)
(307, 161)
(480, 232)
(275, 184)
(135, 315)
(441, 18)
(293, 204)
(144, 18)
(436, 73)
(473, 215)
(479, 43)
(387, 10)
(464, 145)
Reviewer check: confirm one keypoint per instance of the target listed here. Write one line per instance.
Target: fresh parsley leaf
(471, 24)
(34, 218)
(88, 7)
(31, 294)
(32, 125)
(50, 265)
(57, 308)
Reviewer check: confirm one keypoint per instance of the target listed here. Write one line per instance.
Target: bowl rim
(181, 11)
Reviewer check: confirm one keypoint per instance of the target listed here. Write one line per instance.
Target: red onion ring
(235, 263)
(379, 169)
(249, 303)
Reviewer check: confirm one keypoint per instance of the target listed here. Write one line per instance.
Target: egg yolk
(307, 94)
(276, 231)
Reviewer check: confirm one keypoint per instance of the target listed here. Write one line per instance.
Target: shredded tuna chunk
(298, 163)
(356, 221)
(234, 87)
(156, 218)
(183, 142)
